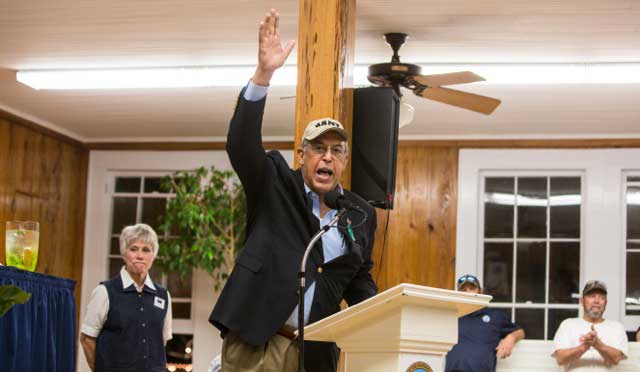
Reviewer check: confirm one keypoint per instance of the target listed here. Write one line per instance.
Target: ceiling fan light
(406, 114)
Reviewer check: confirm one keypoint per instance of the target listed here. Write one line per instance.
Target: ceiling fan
(397, 74)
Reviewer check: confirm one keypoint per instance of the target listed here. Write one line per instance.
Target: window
(139, 199)
(608, 234)
(131, 171)
(531, 244)
(632, 244)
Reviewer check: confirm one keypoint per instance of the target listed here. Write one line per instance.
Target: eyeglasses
(337, 151)
(468, 278)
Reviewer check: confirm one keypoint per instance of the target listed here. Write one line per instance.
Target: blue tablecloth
(40, 335)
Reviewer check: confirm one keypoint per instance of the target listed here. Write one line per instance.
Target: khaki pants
(280, 354)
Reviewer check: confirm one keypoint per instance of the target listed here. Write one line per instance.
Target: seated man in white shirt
(591, 343)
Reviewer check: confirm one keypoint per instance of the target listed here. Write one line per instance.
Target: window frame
(178, 324)
(625, 185)
(602, 231)
(206, 339)
(516, 174)
(104, 164)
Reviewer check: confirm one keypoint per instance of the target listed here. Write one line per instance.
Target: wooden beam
(326, 43)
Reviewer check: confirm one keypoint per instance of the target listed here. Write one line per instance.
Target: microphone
(334, 200)
(302, 284)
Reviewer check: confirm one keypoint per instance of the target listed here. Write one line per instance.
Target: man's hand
(505, 347)
(611, 356)
(271, 54)
(589, 339)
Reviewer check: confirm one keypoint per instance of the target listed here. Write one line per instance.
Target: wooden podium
(407, 328)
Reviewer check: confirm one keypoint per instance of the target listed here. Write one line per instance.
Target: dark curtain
(41, 334)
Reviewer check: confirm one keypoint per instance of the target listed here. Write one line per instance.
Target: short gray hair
(139, 232)
(305, 142)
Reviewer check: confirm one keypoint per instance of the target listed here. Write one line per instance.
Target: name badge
(158, 302)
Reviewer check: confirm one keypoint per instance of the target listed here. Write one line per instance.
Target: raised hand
(271, 54)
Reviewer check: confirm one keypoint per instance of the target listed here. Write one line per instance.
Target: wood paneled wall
(44, 178)
(420, 244)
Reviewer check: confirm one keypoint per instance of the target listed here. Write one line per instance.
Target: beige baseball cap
(318, 127)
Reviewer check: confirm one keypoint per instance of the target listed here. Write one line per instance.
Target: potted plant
(204, 224)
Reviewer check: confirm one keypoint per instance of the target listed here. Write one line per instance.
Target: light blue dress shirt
(255, 92)
(332, 247)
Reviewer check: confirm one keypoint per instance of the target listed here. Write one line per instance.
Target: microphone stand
(302, 285)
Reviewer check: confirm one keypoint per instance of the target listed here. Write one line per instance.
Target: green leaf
(11, 295)
(208, 205)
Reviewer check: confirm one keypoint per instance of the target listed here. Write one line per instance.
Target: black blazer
(260, 293)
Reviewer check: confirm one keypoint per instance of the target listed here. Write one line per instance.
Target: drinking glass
(21, 242)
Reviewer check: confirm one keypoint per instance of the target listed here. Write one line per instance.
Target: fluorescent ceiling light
(233, 76)
(142, 78)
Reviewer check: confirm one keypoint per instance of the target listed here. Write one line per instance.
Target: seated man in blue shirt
(482, 336)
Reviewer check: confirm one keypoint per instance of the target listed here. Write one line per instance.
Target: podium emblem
(419, 367)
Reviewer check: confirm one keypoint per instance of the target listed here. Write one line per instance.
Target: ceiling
(118, 33)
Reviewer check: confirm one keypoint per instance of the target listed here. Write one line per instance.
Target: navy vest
(131, 337)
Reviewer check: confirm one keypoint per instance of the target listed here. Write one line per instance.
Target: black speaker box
(376, 113)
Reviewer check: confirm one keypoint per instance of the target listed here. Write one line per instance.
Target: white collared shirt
(98, 307)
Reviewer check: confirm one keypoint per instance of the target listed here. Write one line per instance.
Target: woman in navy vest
(128, 318)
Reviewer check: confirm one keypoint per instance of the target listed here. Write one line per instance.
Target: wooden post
(326, 41)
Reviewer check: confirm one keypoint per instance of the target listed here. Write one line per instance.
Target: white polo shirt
(98, 307)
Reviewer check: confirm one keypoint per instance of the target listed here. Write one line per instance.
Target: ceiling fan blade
(462, 77)
(469, 101)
